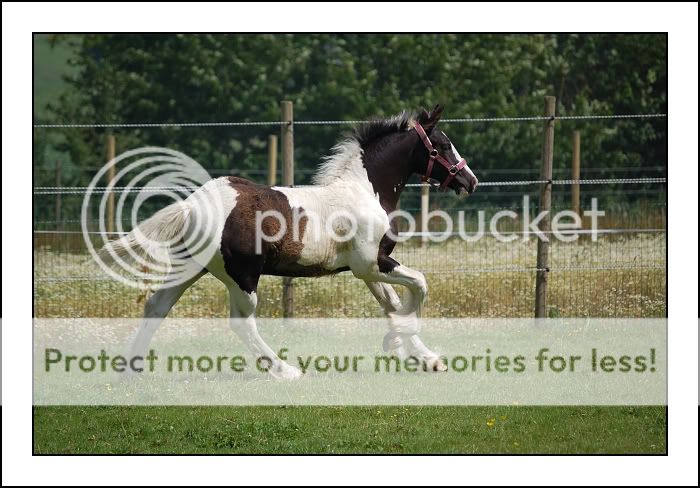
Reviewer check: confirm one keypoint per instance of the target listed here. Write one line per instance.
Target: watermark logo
(183, 228)
(487, 362)
(343, 225)
(170, 246)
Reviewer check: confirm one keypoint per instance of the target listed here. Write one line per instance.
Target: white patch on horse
(454, 151)
(459, 158)
(294, 196)
(344, 163)
(320, 203)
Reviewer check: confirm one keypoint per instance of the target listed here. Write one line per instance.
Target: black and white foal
(361, 182)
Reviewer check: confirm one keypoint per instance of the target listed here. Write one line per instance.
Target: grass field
(376, 430)
(639, 290)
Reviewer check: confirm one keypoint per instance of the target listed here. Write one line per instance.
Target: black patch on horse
(386, 246)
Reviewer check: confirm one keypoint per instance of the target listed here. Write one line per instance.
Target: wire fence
(82, 190)
(272, 123)
(620, 273)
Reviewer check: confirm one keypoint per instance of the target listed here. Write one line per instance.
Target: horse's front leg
(405, 318)
(391, 303)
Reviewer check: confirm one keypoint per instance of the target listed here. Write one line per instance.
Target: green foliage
(175, 78)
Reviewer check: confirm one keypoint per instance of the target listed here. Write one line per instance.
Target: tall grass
(613, 277)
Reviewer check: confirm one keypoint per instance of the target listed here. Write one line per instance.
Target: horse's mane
(347, 154)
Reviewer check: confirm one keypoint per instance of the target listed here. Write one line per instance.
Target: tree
(175, 78)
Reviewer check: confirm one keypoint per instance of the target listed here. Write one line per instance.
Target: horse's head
(438, 159)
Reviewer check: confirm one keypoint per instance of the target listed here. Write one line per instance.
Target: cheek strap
(452, 169)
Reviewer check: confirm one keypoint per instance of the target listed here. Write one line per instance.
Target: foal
(356, 189)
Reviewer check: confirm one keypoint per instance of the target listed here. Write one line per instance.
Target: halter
(452, 169)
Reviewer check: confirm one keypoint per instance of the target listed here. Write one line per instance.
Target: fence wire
(81, 190)
(466, 120)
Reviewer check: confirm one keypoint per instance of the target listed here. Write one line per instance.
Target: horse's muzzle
(466, 183)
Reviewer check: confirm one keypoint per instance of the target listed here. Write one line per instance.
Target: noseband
(452, 169)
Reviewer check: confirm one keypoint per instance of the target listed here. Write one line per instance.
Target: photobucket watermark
(344, 225)
(183, 230)
(487, 361)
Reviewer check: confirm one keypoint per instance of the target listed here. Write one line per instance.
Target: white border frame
(680, 20)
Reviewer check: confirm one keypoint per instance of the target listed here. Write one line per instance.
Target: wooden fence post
(272, 160)
(576, 173)
(545, 205)
(59, 224)
(111, 171)
(424, 207)
(287, 142)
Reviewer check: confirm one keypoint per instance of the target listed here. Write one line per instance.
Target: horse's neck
(371, 187)
(382, 169)
(388, 171)
(389, 194)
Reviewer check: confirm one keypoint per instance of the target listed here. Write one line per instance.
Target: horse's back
(230, 212)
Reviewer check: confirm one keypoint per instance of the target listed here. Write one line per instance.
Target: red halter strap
(433, 155)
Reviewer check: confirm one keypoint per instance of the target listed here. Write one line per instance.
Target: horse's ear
(430, 120)
(423, 116)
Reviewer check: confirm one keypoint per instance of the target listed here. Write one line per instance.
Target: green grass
(629, 289)
(308, 430)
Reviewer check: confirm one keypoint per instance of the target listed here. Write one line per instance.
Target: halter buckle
(453, 169)
(433, 183)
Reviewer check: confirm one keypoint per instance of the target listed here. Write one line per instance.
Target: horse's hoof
(435, 364)
(285, 373)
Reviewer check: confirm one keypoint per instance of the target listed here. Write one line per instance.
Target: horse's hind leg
(242, 322)
(155, 311)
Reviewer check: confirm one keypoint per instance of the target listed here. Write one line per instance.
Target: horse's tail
(151, 239)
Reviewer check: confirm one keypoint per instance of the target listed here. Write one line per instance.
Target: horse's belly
(300, 270)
